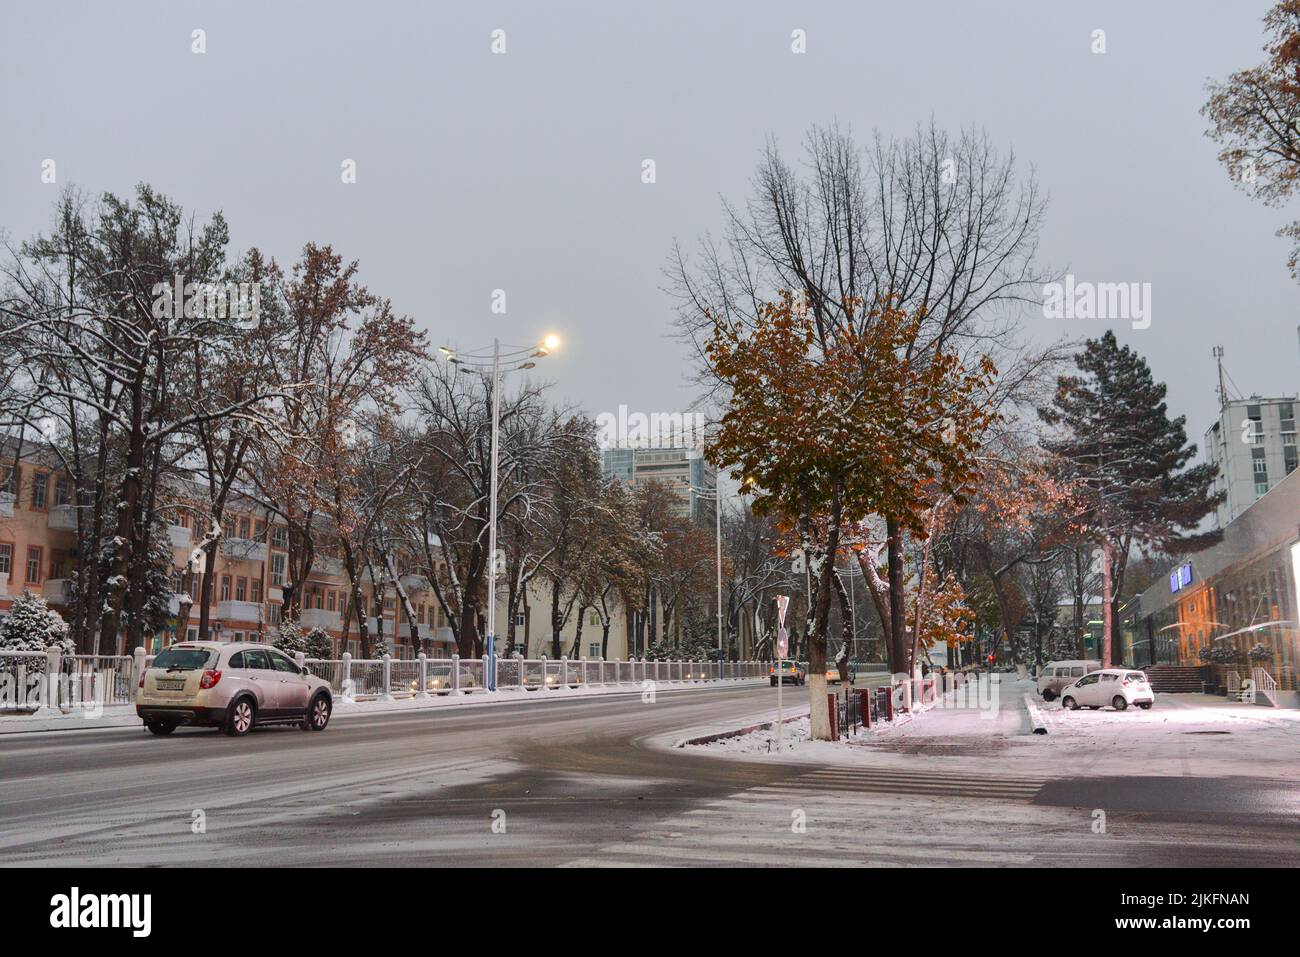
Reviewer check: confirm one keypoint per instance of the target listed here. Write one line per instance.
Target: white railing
(1265, 685)
(83, 680)
(390, 678)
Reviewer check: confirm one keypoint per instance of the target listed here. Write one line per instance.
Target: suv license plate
(174, 684)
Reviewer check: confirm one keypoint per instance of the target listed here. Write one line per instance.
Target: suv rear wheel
(1069, 704)
(160, 727)
(240, 717)
(1119, 702)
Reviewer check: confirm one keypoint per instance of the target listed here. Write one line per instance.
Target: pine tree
(1128, 461)
(318, 644)
(289, 638)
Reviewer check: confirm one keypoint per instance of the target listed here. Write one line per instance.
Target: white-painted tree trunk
(820, 716)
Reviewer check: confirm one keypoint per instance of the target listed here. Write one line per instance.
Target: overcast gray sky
(522, 172)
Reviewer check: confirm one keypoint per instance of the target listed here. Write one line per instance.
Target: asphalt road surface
(583, 782)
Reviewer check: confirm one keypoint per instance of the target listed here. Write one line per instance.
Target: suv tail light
(210, 678)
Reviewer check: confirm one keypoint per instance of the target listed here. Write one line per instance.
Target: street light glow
(551, 342)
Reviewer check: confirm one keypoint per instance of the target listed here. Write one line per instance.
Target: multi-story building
(1238, 594)
(1254, 445)
(684, 471)
(38, 554)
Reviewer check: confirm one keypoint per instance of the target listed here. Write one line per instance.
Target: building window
(9, 480)
(259, 529)
(273, 615)
(255, 590)
(243, 526)
(62, 490)
(33, 563)
(593, 649)
(277, 570)
(241, 588)
(279, 536)
(330, 598)
(6, 559)
(40, 488)
(1290, 458)
(225, 588)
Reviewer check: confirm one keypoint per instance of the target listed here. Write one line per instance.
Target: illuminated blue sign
(1180, 577)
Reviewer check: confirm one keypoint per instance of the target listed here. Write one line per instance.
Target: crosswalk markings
(905, 781)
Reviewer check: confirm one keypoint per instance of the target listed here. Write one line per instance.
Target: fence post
(388, 678)
(346, 686)
(137, 668)
(864, 706)
(53, 669)
(519, 669)
(423, 691)
(455, 671)
(889, 702)
(542, 683)
(486, 683)
(564, 671)
(835, 715)
(300, 657)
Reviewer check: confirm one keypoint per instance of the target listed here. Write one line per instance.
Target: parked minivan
(1057, 674)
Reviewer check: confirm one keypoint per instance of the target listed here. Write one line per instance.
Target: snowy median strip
(1036, 718)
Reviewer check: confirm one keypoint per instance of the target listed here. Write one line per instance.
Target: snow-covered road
(596, 781)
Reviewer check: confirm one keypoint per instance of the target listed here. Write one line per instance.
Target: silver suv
(233, 686)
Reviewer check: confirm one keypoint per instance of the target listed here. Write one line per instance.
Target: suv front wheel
(240, 717)
(318, 714)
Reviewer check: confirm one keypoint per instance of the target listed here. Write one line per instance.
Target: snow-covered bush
(32, 625)
(1260, 653)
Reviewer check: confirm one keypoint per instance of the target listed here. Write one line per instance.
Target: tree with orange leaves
(831, 429)
(1255, 118)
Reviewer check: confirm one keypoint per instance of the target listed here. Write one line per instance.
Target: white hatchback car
(1117, 687)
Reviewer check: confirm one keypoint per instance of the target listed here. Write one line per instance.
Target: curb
(1035, 716)
(722, 735)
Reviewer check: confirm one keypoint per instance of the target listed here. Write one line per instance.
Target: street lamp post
(517, 359)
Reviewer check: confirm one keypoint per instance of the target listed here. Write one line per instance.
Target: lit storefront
(1237, 596)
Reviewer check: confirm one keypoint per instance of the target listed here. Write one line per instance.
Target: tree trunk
(899, 650)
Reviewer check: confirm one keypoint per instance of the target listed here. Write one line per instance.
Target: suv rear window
(182, 659)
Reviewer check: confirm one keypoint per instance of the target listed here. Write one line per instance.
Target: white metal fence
(83, 680)
(362, 678)
(86, 680)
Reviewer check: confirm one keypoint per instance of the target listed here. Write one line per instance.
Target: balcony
(422, 632)
(56, 590)
(180, 535)
(63, 518)
(243, 550)
(374, 629)
(238, 611)
(320, 618)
